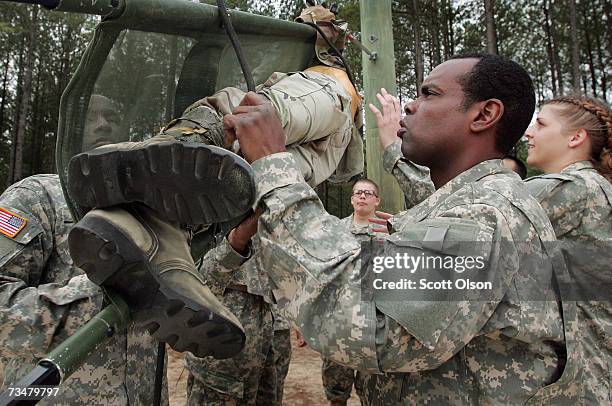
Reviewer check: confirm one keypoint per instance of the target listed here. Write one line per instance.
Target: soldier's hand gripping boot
(179, 173)
(147, 260)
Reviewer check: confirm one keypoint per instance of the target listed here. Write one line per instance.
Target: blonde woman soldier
(571, 141)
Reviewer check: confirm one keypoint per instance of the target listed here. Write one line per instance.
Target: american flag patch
(10, 223)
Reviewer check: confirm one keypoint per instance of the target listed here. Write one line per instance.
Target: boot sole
(190, 183)
(108, 256)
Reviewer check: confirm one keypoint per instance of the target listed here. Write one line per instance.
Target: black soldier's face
(101, 124)
(435, 123)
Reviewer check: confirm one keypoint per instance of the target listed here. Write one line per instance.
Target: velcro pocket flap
(427, 260)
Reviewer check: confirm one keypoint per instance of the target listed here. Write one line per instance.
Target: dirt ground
(302, 386)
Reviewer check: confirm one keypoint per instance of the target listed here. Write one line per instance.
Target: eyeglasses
(366, 193)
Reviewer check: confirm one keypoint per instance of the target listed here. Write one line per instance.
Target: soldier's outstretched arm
(315, 267)
(234, 250)
(31, 310)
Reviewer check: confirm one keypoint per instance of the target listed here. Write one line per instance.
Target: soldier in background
(44, 298)
(571, 141)
(338, 380)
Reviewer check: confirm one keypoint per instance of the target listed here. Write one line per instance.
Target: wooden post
(377, 35)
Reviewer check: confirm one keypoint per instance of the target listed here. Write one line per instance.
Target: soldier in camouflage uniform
(512, 348)
(571, 141)
(281, 350)
(256, 375)
(338, 380)
(44, 298)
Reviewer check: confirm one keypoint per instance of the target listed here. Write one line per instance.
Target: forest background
(565, 45)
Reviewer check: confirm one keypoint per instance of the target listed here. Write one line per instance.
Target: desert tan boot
(147, 260)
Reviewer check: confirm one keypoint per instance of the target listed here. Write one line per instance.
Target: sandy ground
(302, 386)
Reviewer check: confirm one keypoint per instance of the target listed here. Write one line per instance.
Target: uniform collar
(357, 228)
(471, 175)
(577, 166)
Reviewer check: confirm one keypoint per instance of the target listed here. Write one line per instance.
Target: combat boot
(147, 260)
(179, 173)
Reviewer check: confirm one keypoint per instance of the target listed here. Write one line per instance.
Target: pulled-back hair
(497, 77)
(595, 118)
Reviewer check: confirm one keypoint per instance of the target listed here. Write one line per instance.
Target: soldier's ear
(579, 137)
(486, 114)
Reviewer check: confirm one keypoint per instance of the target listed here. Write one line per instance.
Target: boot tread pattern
(110, 259)
(189, 183)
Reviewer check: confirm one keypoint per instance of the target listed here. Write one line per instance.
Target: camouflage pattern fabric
(280, 323)
(578, 201)
(44, 299)
(256, 375)
(236, 381)
(272, 384)
(281, 348)
(505, 350)
(413, 179)
(338, 379)
(315, 111)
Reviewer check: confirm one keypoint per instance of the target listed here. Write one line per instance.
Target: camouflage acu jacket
(578, 201)
(44, 299)
(361, 232)
(507, 349)
(223, 267)
(413, 179)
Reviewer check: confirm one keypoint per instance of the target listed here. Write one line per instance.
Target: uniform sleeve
(563, 199)
(31, 312)
(314, 263)
(219, 263)
(414, 180)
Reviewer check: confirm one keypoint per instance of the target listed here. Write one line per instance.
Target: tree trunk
(589, 49)
(490, 23)
(600, 59)
(26, 95)
(574, 46)
(16, 111)
(450, 33)
(38, 130)
(549, 48)
(3, 102)
(417, 47)
(555, 46)
(608, 13)
(435, 35)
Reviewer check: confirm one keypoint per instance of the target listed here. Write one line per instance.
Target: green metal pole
(71, 353)
(68, 356)
(377, 36)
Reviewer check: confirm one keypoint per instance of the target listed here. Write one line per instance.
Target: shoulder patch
(11, 223)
